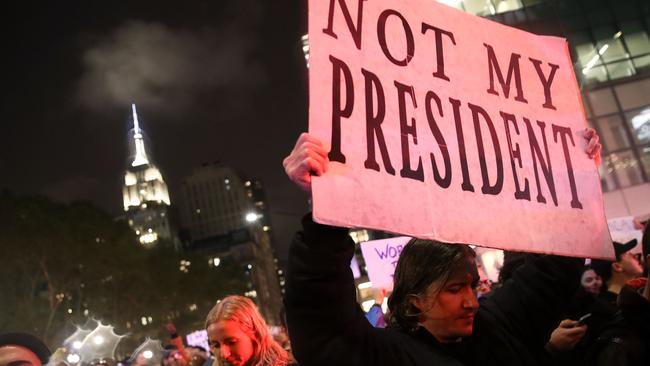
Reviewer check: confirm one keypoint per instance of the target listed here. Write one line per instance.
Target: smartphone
(583, 319)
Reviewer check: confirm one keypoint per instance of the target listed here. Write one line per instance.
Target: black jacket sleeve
(529, 306)
(325, 322)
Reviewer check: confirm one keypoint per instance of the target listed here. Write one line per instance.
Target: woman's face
(448, 312)
(230, 343)
(591, 282)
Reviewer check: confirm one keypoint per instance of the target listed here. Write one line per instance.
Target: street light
(73, 358)
(251, 217)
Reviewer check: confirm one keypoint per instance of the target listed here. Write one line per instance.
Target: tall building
(145, 194)
(225, 214)
(251, 249)
(217, 200)
(609, 42)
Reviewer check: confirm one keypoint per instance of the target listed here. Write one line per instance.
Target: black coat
(328, 327)
(625, 341)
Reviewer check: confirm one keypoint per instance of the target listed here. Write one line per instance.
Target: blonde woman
(238, 335)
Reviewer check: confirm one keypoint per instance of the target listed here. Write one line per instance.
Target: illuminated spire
(140, 154)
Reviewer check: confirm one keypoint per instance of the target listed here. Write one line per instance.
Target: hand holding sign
(307, 157)
(593, 146)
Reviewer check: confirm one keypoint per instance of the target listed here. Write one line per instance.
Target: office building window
(624, 132)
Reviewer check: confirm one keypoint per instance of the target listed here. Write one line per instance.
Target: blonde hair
(243, 311)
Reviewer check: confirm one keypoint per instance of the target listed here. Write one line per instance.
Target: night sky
(213, 80)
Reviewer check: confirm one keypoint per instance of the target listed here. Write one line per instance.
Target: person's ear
(616, 267)
(417, 302)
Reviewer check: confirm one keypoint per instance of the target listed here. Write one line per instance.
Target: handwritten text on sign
(381, 258)
(448, 126)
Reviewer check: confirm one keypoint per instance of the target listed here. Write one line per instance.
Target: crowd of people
(544, 310)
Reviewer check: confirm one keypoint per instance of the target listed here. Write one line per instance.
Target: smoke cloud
(166, 69)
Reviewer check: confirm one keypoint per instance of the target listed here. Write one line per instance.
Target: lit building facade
(609, 42)
(145, 194)
(251, 249)
(217, 200)
(226, 215)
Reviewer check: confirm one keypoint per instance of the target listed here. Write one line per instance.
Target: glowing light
(364, 285)
(130, 179)
(147, 354)
(594, 59)
(250, 266)
(143, 320)
(73, 358)
(305, 47)
(641, 119)
(216, 261)
(251, 217)
(76, 344)
(152, 174)
(98, 340)
(140, 154)
(69, 311)
(148, 238)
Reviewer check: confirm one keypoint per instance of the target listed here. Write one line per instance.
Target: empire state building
(146, 198)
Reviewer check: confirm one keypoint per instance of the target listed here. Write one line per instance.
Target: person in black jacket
(435, 318)
(625, 341)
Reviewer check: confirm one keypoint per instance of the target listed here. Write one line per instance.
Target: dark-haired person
(435, 318)
(626, 340)
(591, 281)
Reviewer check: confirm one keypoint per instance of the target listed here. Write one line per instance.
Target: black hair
(421, 263)
(603, 268)
(512, 261)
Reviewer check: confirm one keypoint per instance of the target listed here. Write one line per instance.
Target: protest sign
(381, 258)
(624, 229)
(448, 126)
(198, 338)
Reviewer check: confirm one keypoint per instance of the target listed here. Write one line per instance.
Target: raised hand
(593, 145)
(307, 158)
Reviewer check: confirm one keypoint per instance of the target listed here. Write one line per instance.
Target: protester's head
(239, 335)
(435, 287)
(625, 268)
(626, 263)
(22, 349)
(590, 281)
(512, 261)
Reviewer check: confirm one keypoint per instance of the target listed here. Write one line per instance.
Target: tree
(66, 262)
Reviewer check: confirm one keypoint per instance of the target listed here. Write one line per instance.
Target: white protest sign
(198, 338)
(443, 125)
(624, 229)
(381, 258)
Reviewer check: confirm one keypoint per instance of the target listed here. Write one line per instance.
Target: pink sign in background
(448, 126)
